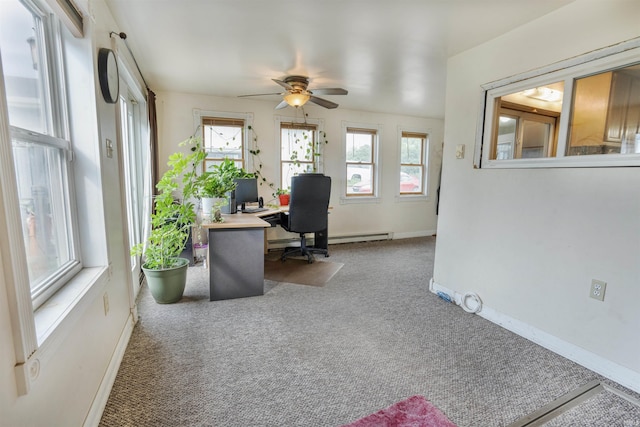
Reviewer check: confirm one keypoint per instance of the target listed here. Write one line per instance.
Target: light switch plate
(460, 151)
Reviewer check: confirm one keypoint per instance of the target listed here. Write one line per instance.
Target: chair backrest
(309, 203)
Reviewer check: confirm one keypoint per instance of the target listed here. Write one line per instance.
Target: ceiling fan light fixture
(296, 99)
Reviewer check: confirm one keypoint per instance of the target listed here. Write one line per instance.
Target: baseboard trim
(611, 370)
(100, 400)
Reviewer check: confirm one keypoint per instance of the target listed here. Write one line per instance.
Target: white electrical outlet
(597, 289)
(460, 151)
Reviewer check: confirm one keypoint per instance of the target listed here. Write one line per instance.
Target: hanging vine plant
(257, 162)
(313, 153)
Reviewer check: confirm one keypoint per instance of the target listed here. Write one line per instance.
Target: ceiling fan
(297, 94)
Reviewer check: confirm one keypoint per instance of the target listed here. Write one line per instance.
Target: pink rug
(415, 411)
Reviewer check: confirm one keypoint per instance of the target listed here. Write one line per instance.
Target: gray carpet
(326, 356)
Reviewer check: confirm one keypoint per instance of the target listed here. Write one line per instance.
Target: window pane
(411, 150)
(506, 137)
(606, 113)
(527, 123)
(297, 144)
(209, 164)
(535, 139)
(291, 169)
(22, 47)
(296, 151)
(359, 179)
(223, 142)
(39, 174)
(411, 179)
(359, 147)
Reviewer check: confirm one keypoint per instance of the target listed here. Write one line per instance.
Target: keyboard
(254, 210)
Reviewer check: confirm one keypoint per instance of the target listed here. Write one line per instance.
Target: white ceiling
(389, 54)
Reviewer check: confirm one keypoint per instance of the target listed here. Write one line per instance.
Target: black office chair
(308, 213)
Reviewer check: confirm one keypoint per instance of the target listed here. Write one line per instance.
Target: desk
(236, 256)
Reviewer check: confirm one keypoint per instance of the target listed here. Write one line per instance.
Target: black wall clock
(108, 75)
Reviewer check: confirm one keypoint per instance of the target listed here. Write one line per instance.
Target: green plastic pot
(167, 285)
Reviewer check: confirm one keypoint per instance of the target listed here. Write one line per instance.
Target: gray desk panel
(236, 259)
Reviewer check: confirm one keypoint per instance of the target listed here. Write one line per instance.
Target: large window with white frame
(581, 112)
(136, 167)
(33, 76)
(413, 166)
(299, 150)
(360, 156)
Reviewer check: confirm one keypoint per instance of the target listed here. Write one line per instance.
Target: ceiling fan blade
(285, 85)
(330, 91)
(323, 102)
(259, 94)
(282, 105)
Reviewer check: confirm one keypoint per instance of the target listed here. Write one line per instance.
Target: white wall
(404, 219)
(71, 377)
(529, 241)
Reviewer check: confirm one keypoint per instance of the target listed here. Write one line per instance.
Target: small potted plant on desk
(171, 222)
(214, 193)
(283, 196)
(219, 185)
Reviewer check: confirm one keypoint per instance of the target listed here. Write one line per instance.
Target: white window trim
(377, 170)
(247, 143)
(601, 60)
(38, 334)
(134, 84)
(318, 160)
(427, 167)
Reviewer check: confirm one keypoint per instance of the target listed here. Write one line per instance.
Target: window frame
(317, 163)
(247, 118)
(424, 158)
(37, 333)
(372, 163)
(377, 168)
(209, 161)
(596, 62)
(56, 135)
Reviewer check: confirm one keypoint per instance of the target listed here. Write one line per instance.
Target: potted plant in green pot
(172, 222)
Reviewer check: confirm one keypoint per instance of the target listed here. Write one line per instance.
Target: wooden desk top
(271, 211)
(238, 220)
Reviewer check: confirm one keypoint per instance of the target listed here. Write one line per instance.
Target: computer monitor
(246, 191)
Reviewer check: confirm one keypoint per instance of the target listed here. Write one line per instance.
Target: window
(606, 113)
(527, 123)
(136, 159)
(42, 151)
(413, 149)
(299, 150)
(223, 138)
(582, 112)
(360, 146)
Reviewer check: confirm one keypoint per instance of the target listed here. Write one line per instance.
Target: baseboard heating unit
(333, 240)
